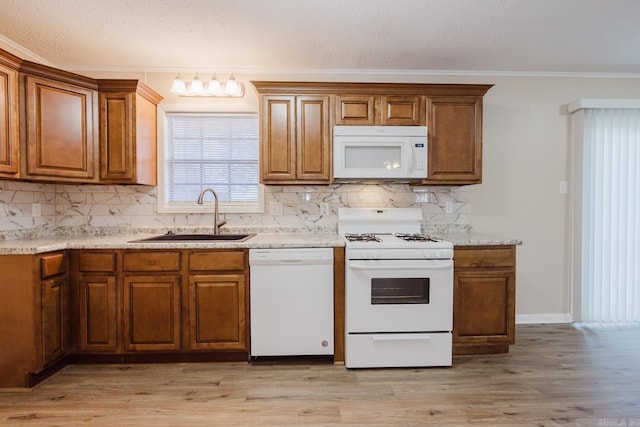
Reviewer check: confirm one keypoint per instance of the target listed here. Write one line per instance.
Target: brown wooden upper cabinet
(127, 132)
(294, 139)
(296, 126)
(9, 130)
(386, 110)
(455, 140)
(59, 124)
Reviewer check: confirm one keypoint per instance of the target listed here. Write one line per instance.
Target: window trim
(193, 208)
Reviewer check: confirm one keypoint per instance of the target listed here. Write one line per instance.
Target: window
(207, 150)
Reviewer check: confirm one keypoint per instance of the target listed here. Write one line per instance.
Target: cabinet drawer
(151, 261)
(52, 265)
(226, 260)
(484, 257)
(97, 262)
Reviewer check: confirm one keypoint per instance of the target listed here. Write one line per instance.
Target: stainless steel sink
(171, 237)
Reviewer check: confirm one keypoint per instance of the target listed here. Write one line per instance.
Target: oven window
(400, 291)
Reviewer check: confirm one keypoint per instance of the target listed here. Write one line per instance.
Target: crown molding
(23, 52)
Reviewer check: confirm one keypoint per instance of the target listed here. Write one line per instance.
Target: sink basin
(171, 237)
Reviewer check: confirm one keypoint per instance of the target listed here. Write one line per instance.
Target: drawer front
(97, 262)
(52, 265)
(497, 257)
(397, 350)
(223, 260)
(151, 261)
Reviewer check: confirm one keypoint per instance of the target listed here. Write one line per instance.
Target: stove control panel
(399, 253)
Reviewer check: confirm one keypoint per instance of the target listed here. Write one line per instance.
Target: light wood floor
(554, 375)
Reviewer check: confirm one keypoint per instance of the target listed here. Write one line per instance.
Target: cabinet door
(98, 314)
(312, 139)
(9, 137)
(484, 306)
(402, 111)
(128, 153)
(277, 139)
(60, 130)
(151, 313)
(455, 140)
(217, 312)
(355, 110)
(116, 137)
(55, 320)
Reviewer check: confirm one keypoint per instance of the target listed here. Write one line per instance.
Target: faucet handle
(221, 223)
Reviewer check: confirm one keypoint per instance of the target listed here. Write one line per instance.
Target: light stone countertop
(260, 240)
(472, 238)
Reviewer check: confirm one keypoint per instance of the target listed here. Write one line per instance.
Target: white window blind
(611, 216)
(218, 151)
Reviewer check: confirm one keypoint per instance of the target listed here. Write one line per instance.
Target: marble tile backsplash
(19, 204)
(98, 209)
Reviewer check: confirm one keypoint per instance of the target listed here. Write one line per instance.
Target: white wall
(525, 157)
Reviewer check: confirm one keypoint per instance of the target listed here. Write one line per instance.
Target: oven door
(399, 296)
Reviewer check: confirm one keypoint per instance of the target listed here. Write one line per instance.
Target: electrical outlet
(448, 207)
(422, 197)
(324, 208)
(563, 187)
(36, 210)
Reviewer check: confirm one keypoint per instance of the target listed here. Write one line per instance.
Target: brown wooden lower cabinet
(484, 299)
(167, 301)
(34, 317)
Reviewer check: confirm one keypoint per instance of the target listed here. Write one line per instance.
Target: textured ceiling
(505, 36)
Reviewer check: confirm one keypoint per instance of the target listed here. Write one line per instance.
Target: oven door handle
(431, 265)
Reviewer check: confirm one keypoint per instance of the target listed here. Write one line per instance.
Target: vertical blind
(219, 151)
(610, 216)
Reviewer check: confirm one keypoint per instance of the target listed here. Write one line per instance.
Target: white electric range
(399, 290)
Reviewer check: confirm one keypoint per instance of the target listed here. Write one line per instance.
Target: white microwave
(390, 153)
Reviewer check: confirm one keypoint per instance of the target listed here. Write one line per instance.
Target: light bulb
(214, 87)
(178, 87)
(196, 87)
(232, 88)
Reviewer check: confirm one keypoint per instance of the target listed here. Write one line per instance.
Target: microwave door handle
(432, 265)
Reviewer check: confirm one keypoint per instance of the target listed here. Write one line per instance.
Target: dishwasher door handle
(401, 338)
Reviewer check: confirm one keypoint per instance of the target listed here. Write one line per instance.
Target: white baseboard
(524, 319)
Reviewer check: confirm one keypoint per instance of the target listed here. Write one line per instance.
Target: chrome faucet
(216, 223)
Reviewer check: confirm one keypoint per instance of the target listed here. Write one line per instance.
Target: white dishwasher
(291, 301)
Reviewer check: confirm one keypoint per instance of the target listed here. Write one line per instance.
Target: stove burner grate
(417, 237)
(362, 237)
